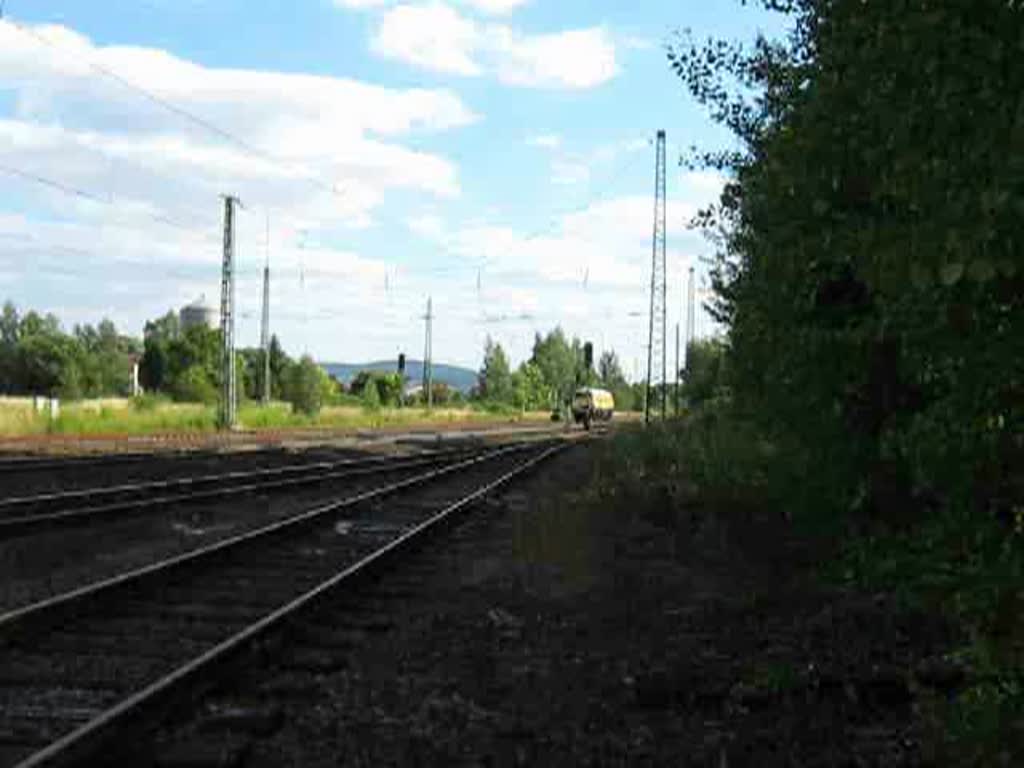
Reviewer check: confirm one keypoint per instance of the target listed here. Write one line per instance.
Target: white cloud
(436, 37)
(579, 59)
(569, 172)
(361, 4)
(427, 226)
(158, 245)
(496, 7)
(490, 7)
(545, 141)
(69, 121)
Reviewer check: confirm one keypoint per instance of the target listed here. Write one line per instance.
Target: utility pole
(265, 322)
(676, 390)
(691, 313)
(229, 393)
(658, 333)
(428, 351)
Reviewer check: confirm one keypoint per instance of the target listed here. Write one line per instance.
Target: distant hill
(462, 379)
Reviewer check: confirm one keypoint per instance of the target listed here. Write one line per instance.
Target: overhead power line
(181, 112)
(75, 191)
(53, 184)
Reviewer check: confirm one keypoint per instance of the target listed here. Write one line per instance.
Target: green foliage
(387, 388)
(306, 386)
(530, 391)
(869, 274)
(371, 395)
(496, 375)
(194, 385)
(868, 271)
(279, 365)
(704, 376)
(150, 402)
(611, 377)
(554, 355)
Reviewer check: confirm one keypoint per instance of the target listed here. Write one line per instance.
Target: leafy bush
(194, 385)
(306, 384)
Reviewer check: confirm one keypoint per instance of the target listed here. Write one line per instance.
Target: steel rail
(14, 619)
(83, 743)
(17, 525)
(177, 482)
(39, 464)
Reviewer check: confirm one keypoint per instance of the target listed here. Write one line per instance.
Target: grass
(966, 566)
(151, 415)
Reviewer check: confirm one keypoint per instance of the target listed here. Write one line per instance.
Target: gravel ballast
(549, 632)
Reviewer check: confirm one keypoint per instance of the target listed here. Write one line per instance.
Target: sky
(496, 155)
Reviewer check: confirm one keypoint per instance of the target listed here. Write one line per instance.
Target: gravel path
(548, 633)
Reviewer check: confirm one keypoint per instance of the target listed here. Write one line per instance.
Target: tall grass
(18, 417)
(154, 414)
(954, 561)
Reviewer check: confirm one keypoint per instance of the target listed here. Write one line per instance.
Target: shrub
(305, 386)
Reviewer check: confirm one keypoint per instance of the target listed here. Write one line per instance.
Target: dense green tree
(197, 353)
(308, 387)
(869, 273)
(611, 377)
(279, 365)
(157, 335)
(42, 360)
(704, 376)
(9, 325)
(554, 355)
(495, 383)
(388, 387)
(531, 392)
(194, 384)
(302, 388)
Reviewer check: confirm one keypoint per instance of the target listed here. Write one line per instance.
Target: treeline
(871, 276)
(548, 379)
(37, 357)
(185, 364)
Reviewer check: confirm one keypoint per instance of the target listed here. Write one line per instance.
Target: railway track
(25, 464)
(28, 514)
(81, 668)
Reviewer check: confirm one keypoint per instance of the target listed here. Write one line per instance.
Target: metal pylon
(657, 358)
(228, 394)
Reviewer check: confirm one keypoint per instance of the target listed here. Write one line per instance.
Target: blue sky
(495, 154)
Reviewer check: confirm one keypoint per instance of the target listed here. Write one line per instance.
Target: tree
(194, 385)
(554, 356)
(869, 266)
(531, 392)
(42, 360)
(388, 387)
(611, 377)
(9, 325)
(279, 365)
(157, 335)
(370, 394)
(197, 353)
(704, 376)
(496, 375)
(306, 386)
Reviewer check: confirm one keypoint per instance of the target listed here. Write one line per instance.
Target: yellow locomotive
(590, 404)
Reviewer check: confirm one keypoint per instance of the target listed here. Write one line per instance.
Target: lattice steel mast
(265, 323)
(657, 357)
(228, 393)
